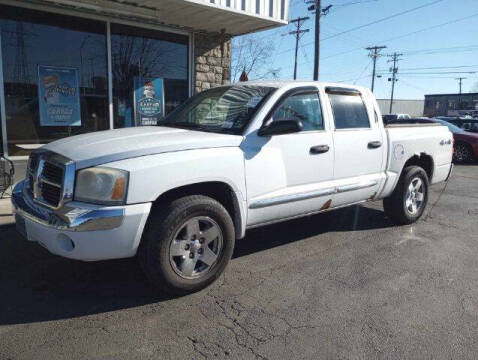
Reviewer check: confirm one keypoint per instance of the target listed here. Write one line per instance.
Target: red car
(466, 143)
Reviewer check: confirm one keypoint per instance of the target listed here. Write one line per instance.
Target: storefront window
(55, 77)
(150, 74)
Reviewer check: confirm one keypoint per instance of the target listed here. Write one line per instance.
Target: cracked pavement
(345, 284)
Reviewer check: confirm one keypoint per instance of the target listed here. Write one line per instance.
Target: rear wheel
(410, 197)
(462, 153)
(187, 244)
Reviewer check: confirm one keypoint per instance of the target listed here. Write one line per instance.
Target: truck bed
(424, 139)
(405, 124)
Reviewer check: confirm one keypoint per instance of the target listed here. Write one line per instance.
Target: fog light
(65, 243)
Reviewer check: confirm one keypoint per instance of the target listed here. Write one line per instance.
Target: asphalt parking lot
(345, 284)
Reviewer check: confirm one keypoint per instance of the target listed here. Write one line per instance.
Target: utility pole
(374, 54)
(317, 9)
(460, 79)
(299, 21)
(395, 59)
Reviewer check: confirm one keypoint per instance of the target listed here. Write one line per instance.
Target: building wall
(212, 61)
(411, 107)
(449, 104)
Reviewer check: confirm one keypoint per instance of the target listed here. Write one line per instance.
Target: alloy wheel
(461, 153)
(415, 196)
(196, 247)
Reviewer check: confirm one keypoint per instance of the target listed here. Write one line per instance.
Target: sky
(438, 40)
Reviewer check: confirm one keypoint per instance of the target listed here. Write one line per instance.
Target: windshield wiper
(195, 126)
(181, 124)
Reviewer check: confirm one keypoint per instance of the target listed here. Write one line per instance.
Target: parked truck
(229, 159)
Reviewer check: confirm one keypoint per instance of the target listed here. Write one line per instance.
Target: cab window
(349, 111)
(304, 108)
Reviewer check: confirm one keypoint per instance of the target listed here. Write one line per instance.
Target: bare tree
(252, 55)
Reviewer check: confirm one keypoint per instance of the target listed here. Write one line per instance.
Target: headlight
(101, 185)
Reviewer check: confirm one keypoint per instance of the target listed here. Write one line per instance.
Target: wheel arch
(423, 160)
(217, 190)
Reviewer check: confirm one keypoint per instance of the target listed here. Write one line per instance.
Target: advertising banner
(148, 101)
(58, 96)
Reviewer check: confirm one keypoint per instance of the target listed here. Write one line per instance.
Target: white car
(229, 159)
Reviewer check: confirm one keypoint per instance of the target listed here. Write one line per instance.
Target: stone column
(212, 60)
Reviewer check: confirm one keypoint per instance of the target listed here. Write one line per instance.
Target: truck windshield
(226, 109)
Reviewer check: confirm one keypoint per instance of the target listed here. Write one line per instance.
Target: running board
(284, 199)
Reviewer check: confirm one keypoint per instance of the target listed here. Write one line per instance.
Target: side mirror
(281, 127)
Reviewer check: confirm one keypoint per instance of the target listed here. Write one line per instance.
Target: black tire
(462, 153)
(161, 228)
(395, 206)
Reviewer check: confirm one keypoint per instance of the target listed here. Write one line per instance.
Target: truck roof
(286, 83)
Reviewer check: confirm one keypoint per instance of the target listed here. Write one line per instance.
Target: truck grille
(45, 180)
(52, 173)
(50, 194)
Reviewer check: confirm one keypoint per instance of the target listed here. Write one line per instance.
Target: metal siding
(412, 107)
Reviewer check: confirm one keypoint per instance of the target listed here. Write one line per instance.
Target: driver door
(290, 174)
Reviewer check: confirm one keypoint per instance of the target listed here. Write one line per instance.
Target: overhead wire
(412, 53)
(378, 21)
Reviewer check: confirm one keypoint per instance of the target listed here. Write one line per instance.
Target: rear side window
(349, 111)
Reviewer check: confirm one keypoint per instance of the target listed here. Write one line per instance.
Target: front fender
(153, 175)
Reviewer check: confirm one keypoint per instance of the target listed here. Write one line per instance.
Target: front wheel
(186, 244)
(410, 197)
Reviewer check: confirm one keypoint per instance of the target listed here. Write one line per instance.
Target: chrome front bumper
(74, 217)
(81, 231)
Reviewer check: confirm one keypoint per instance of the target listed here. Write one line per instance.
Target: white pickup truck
(229, 159)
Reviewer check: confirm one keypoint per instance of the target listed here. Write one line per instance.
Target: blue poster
(148, 100)
(58, 96)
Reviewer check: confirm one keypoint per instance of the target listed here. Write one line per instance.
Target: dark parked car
(418, 120)
(465, 143)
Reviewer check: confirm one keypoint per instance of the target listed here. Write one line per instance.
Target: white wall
(412, 107)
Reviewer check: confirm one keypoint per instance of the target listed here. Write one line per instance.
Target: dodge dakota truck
(178, 195)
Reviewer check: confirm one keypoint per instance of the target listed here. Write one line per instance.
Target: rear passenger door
(359, 145)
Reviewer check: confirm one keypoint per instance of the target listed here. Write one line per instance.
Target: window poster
(148, 101)
(58, 96)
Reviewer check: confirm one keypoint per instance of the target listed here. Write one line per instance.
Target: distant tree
(252, 55)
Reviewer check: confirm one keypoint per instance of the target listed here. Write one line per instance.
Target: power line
(414, 86)
(383, 19)
(436, 73)
(412, 52)
(363, 71)
(388, 18)
(432, 27)
(439, 67)
(354, 3)
(406, 35)
(431, 77)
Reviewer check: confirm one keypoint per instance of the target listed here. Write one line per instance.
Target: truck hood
(112, 145)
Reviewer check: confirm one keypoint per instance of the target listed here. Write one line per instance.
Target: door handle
(374, 144)
(319, 149)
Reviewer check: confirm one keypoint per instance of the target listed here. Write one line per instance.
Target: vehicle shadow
(37, 286)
